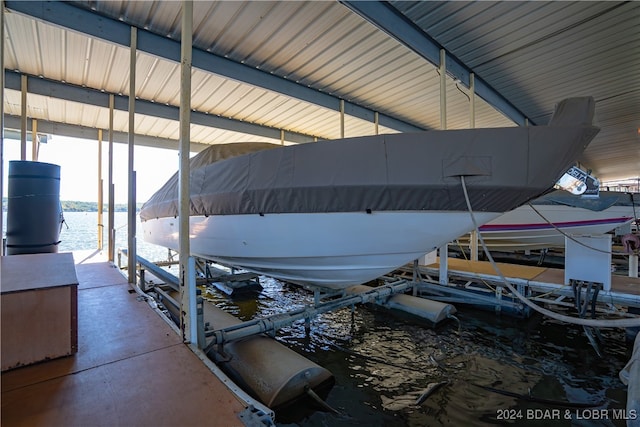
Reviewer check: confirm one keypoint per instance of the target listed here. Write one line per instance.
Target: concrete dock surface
(131, 368)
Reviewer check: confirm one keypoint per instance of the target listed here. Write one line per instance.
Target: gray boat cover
(603, 201)
(503, 168)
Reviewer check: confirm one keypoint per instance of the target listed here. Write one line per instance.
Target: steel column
(473, 240)
(443, 90)
(23, 117)
(472, 100)
(376, 123)
(444, 249)
(188, 310)
(35, 143)
(110, 214)
(342, 118)
(100, 201)
(131, 209)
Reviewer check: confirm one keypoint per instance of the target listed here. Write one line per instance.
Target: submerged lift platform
(230, 282)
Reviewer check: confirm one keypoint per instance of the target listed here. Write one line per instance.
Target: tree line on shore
(79, 206)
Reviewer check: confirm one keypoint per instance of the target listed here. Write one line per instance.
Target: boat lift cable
(596, 323)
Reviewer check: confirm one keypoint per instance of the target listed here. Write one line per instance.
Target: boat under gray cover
(503, 168)
(604, 200)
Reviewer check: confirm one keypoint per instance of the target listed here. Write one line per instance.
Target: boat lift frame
(323, 303)
(487, 290)
(478, 289)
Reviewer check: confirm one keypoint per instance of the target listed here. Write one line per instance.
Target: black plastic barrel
(34, 215)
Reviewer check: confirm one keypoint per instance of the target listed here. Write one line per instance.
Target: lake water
(383, 362)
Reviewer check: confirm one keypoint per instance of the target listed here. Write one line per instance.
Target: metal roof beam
(83, 132)
(113, 31)
(388, 19)
(83, 95)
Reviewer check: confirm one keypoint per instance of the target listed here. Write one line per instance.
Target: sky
(78, 161)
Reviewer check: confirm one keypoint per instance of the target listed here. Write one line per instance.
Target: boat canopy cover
(503, 168)
(215, 153)
(574, 112)
(603, 201)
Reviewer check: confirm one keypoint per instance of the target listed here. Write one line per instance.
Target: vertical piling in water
(34, 215)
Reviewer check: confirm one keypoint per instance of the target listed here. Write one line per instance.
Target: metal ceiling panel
(158, 45)
(536, 53)
(161, 81)
(390, 21)
(266, 66)
(303, 50)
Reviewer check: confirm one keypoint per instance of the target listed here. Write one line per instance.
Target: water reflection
(383, 363)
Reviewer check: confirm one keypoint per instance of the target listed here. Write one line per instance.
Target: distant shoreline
(78, 206)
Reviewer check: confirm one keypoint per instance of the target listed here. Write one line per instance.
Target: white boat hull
(340, 213)
(332, 250)
(524, 229)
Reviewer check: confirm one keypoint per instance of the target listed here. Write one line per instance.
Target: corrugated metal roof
(533, 53)
(536, 53)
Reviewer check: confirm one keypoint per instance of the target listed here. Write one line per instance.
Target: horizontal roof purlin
(118, 32)
(89, 96)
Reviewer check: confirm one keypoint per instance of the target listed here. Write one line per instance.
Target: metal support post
(414, 292)
(141, 281)
(110, 214)
(376, 123)
(585, 294)
(188, 310)
(131, 208)
(472, 100)
(444, 265)
(23, 116)
(443, 89)
(473, 245)
(200, 319)
(472, 124)
(100, 201)
(342, 118)
(35, 142)
(526, 291)
(316, 297)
